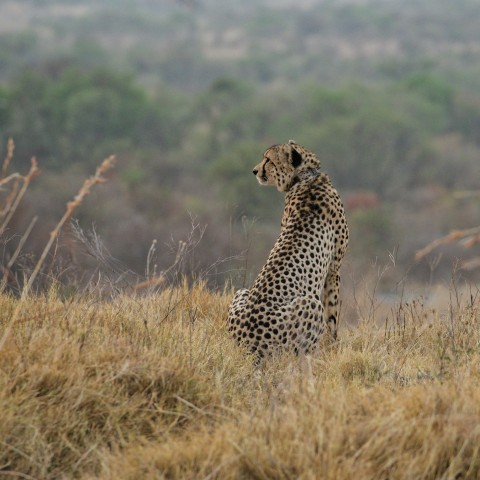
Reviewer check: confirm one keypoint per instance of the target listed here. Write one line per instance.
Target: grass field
(153, 387)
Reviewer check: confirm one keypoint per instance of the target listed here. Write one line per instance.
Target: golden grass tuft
(154, 387)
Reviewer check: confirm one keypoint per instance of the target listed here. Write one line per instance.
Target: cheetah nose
(255, 171)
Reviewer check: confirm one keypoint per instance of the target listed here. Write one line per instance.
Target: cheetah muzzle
(295, 297)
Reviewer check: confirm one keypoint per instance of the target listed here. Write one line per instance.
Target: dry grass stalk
(33, 172)
(468, 238)
(85, 189)
(152, 282)
(471, 264)
(13, 176)
(21, 243)
(7, 203)
(8, 158)
(12, 201)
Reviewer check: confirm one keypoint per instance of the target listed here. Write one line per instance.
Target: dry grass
(467, 238)
(154, 387)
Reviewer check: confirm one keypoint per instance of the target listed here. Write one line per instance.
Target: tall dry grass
(153, 387)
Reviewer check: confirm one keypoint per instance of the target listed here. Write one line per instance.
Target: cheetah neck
(305, 175)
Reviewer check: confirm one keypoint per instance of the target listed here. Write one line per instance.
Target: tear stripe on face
(264, 171)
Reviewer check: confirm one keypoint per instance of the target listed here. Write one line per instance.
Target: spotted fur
(296, 294)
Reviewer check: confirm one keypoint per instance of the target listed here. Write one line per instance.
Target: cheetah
(296, 294)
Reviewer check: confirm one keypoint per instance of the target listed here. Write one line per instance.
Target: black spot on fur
(296, 158)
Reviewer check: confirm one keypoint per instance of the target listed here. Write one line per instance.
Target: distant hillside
(188, 94)
(187, 44)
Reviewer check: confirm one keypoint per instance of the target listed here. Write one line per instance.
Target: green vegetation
(188, 98)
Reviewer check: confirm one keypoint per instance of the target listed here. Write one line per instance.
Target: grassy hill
(153, 387)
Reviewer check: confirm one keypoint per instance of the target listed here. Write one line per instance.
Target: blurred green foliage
(386, 94)
(368, 138)
(81, 115)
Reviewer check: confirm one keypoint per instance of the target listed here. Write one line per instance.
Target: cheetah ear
(296, 158)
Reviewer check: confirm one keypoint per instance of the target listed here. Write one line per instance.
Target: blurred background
(188, 94)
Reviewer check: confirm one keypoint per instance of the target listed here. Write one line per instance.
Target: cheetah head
(283, 165)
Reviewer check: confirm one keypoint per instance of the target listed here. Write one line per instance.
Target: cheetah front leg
(306, 324)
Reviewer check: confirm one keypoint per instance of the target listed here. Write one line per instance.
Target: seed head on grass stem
(85, 189)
